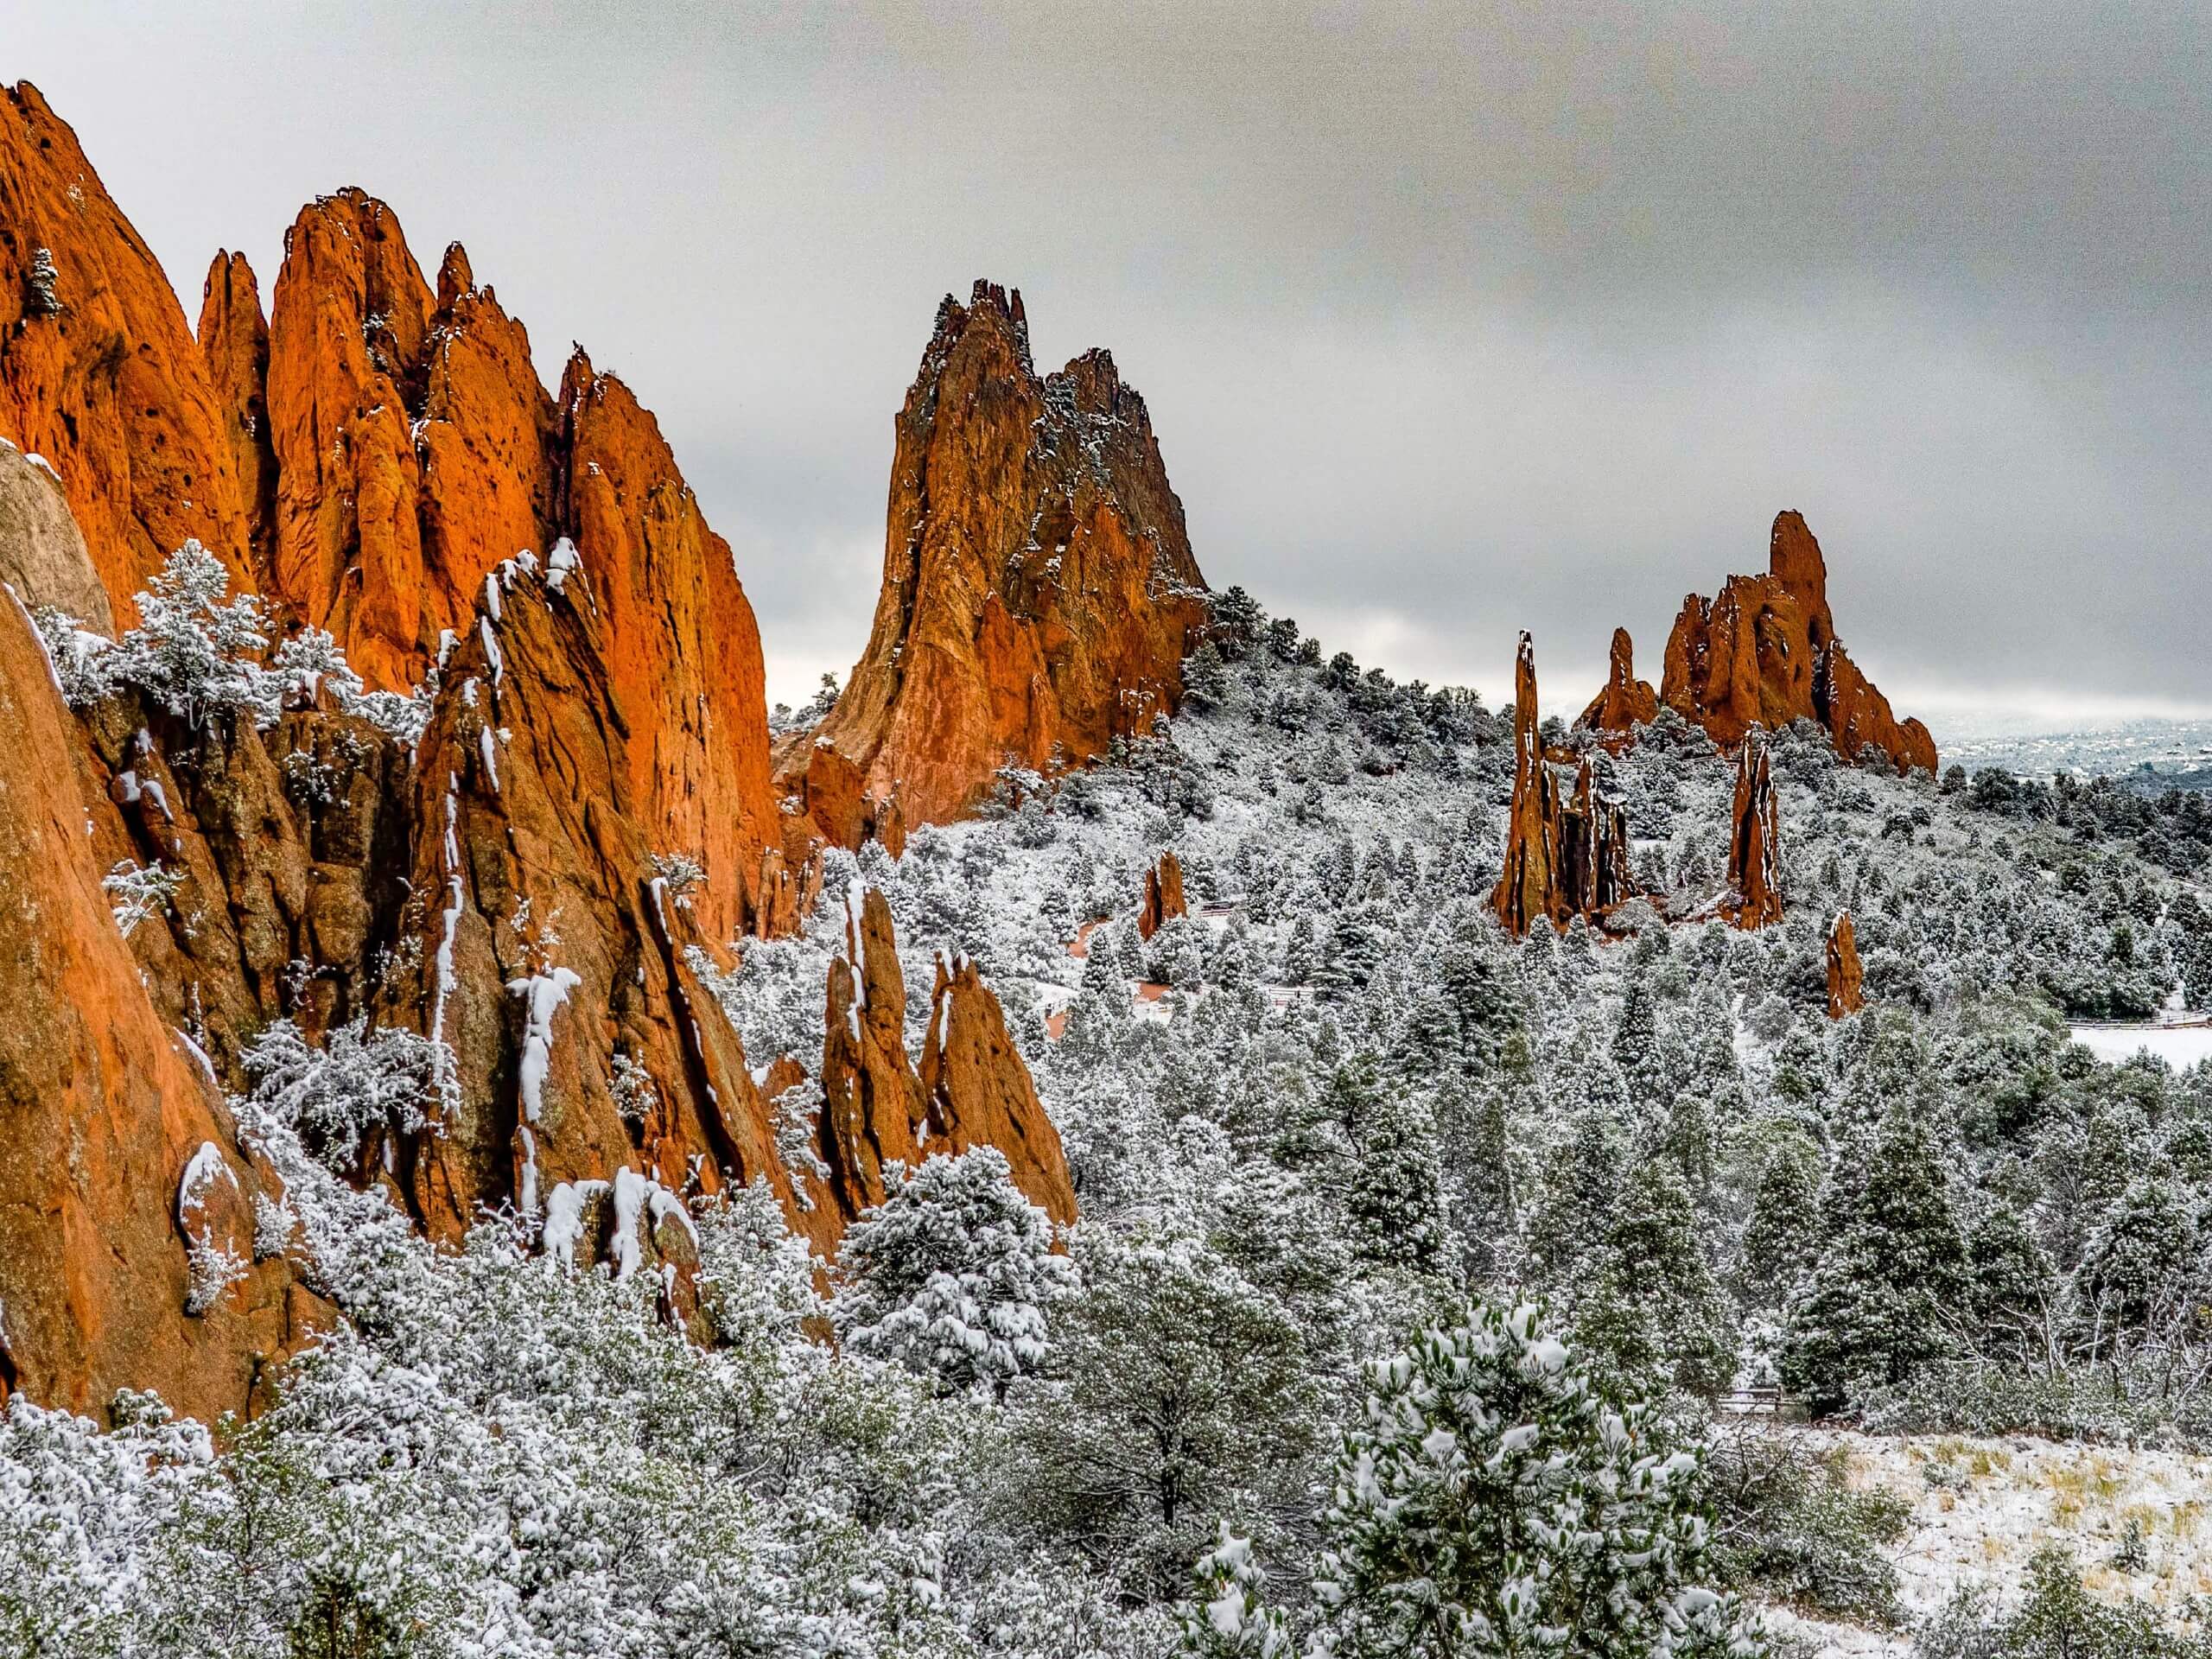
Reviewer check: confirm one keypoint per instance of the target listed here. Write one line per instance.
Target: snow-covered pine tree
(952, 1274)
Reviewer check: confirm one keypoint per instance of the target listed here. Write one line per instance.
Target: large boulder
(43, 554)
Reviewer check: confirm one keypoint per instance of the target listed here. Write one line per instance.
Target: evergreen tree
(950, 1275)
(1655, 1320)
(1782, 1239)
(1491, 1502)
(1396, 1197)
(1893, 1267)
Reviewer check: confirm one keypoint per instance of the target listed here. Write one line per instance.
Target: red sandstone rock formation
(1754, 842)
(980, 1093)
(1763, 652)
(233, 338)
(415, 448)
(553, 936)
(98, 371)
(103, 1109)
(1846, 981)
(1163, 895)
(1566, 856)
(1626, 702)
(972, 1089)
(1039, 591)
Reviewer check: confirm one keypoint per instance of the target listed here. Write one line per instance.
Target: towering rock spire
(1038, 590)
(1846, 994)
(1163, 894)
(1566, 856)
(1754, 842)
(1626, 702)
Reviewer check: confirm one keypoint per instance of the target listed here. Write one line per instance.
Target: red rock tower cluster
(1566, 853)
(1763, 652)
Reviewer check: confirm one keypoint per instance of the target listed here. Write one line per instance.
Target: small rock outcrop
(1763, 652)
(971, 1089)
(1038, 589)
(1626, 702)
(1754, 841)
(43, 554)
(1163, 894)
(1565, 853)
(98, 371)
(1846, 980)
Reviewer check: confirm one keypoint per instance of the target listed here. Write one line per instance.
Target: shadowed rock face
(1566, 853)
(1038, 590)
(98, 371)
(553, 952)
(43, 554)
(1846, 980)
(972, 1089)
(1763, 652)
(1755, 840)
(103, 1109)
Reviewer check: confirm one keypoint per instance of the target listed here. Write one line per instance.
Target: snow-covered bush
(136, 893)
(309, 662)
(1491, 1502)
(952, 1274)
(80, 658)
(359, 1079)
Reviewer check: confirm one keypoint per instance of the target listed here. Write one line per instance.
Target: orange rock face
(1846, 980)
(1626, 702)
(1763, 652)
(234, 344)
(103, 1109)
(1566, 854)
(415, 448)
(980, 1093)
(1755, 840)
(972, 1089)
(553, 955)
(1163, 895)
(98, 371)
(1038, 590)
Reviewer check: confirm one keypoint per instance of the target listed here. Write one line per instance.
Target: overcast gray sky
(1452, 319)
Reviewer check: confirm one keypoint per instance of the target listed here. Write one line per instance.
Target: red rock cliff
(98, 371)
(1038, 590)
(104, 1109)
(1755, 840)
(1847, 979)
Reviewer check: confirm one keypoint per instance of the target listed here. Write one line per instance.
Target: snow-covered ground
(1981, 1507)
(2179, 1046)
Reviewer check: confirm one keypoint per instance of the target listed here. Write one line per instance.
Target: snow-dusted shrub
(1491, 1502)
(950, 1275)
(81, 659)
(1227, 1617)
(309, 662)
(136, 893)
(359, 1080)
